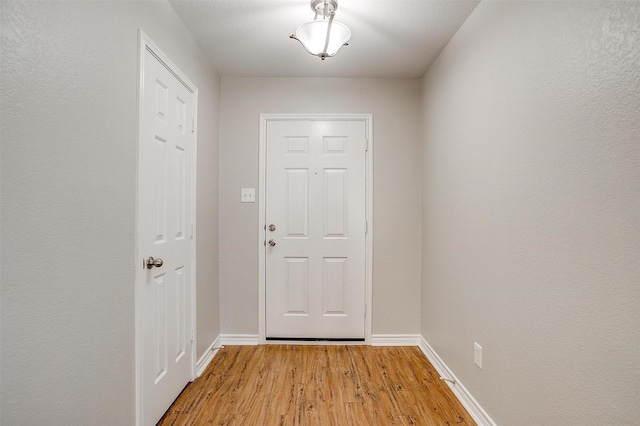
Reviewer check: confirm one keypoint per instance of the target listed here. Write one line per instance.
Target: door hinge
(193, 334)
(193, 125)
(366, 226)
(366, 145)
(365, 310)
(193, 230)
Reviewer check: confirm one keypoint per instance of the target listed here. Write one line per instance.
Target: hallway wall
(396, 240)
(531, 210)
(68, 175)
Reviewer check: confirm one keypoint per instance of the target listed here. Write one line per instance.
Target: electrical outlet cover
(477, 354)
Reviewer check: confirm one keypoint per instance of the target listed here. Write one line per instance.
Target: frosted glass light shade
(313, 37)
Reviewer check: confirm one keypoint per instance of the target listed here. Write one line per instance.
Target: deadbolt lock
(272, 227)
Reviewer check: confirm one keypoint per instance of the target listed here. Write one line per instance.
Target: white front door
(164, 305)
(316, 229)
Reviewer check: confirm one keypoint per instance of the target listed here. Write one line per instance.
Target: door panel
(315, 197)
(165, 203)
(297, 286)
(297, 199)
(335, 203)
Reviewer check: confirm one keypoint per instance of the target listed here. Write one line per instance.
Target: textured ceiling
(392, 38)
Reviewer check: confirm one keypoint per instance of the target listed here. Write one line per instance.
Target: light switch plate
(248, 195)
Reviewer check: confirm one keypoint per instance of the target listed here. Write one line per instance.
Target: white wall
(68, 173)
(531, 210)
(396, 245)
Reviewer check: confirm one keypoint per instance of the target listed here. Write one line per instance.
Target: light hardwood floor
(318, 385)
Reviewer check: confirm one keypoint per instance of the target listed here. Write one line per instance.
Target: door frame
(144, 44)
(367, 118)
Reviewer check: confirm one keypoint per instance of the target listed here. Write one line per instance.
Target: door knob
(151, 262)
(272, 227)
(272, 243)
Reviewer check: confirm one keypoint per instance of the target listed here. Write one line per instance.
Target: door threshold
(314, 339)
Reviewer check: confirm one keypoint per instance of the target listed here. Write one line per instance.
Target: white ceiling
(390, 38)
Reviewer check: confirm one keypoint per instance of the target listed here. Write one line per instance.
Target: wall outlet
(477, 354)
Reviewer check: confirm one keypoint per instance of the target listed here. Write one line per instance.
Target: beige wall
(396, 242)
(68, 173)
(524, 226)
(531, 210)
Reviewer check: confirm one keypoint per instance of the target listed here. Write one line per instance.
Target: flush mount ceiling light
(323, 36)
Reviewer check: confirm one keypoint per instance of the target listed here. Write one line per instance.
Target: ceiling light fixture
(323, 36)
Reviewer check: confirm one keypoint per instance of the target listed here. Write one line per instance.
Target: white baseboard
(466, 399)
(208, 355)
(395, 339)
(239, 339)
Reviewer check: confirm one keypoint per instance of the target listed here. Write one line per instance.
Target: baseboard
(208, 355)
(395, 339)
(239, 339)
(466, 399)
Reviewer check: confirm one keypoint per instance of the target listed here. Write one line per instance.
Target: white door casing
(165, 294)
(315, 282)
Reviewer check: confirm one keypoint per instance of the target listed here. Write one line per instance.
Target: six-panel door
(165, 232)
(315, 200)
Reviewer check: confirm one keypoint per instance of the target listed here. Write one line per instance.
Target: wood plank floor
(317, 385)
